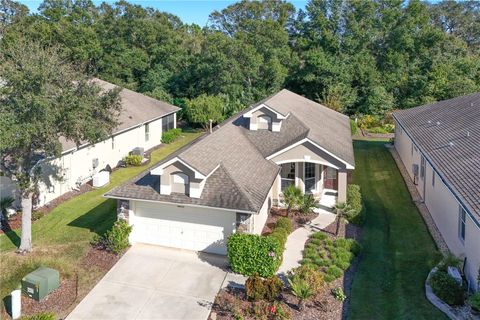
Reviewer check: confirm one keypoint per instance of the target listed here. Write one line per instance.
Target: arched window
(264, 122)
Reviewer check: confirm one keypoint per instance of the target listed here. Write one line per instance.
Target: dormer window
(264, 122)
(180, 183)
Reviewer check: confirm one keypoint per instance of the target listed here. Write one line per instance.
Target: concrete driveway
(152, 282)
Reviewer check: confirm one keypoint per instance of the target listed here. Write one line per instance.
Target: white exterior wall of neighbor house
(78, 164)
(444, 208)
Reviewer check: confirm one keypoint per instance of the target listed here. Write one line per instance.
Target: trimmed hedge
(249, 254)
(171, 135)
(281, 235)
(354, 201)
(447, 289)
(285, 223)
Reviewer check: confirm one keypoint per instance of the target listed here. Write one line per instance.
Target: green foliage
(353, 127)
(257, 288)
(171, 135)
(446, 288)
(115, 239)
(40, 316)
(285, 223)
(133, 160)
(5, 203)
(280, 235)
(301, 289)
(449, 261)
(37, 215)
(338, 294)
(292, 197)
(308, 203)
(204, 108)
(249, 254)
(354, 201)
(312, 276)
(474, 301)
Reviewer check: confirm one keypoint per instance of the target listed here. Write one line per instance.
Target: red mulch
(298, 219)
(101, 259)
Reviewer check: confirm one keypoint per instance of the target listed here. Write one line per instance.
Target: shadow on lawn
(13, 237)
(99, 219)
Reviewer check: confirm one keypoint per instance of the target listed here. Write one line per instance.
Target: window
(287, 175)
(113, 143)
(264, 122)
(168, 122)
(433, 178)
(422, 167)
(147, 132)
(461, 223)
(241, 219)
(309, 177)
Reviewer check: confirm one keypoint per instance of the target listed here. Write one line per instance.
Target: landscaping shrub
(333, 272)
(292, 197)
(338, 294)
(133, 160)
(300, 289)
(353, 127)
(40, 316)
(273, 286)
(312, 276)
(474, 301)
(37, 215)
(281, 235)
(285, 223)
(171, 135)
(115, 239)
(308, 203)
(250, 253)
(354, 202)
(258, 288)
(449, 261)
(446, 288)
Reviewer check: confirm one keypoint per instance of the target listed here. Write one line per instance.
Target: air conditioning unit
(137, 151)
(100, 179)
(94, 163)
(415, 170)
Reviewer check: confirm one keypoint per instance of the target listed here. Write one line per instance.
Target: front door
(330, 178)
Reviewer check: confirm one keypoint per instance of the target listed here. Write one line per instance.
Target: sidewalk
(293, 253)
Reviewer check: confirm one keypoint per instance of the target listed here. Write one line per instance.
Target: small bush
(447, 289)
(308, 203)
(40, 316)
(133, 160)
(474, 301)
(319, 235)
(353, 126)
(273, 286)
(255, 288)
(37, 215)
(449, 261)
(338, 294)
(281, 235)
(171, 135)
(250, 253)
(312, 276)
(354, 202)
(285, 223)
(333, 272)
(115, 239)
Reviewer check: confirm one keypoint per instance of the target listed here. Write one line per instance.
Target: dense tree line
(358, 57)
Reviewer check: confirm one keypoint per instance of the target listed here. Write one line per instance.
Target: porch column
(342, 186)
(299, 176)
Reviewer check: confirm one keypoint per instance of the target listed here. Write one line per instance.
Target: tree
(10, 12)
(301, 289)
(292, 197)
(42, 99)
(204, 108)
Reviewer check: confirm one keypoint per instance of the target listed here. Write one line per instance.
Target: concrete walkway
(293, 253)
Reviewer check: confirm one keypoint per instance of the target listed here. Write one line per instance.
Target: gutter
(444, 180)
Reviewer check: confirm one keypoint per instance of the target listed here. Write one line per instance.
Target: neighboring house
(439, 145)
(142, 121)
(230, 178)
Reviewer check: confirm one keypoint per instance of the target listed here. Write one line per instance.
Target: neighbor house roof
(137, 109)
(235, 157)
(448, 134)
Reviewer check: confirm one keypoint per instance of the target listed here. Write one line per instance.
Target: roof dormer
(262, 117)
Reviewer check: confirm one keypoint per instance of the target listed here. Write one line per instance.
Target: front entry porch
(313, 178)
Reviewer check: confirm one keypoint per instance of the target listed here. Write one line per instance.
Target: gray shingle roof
(136, 109)
(448, 133)
(244, 178)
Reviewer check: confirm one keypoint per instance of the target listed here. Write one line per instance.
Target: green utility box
(39, 283)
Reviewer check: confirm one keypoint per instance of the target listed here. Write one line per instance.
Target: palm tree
(308, 203)
(5, 203)
(292, 197)
(343, 209)
(300, 289)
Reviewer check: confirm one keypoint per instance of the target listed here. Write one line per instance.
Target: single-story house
(439, 144)
(230, 178)
(141, 123)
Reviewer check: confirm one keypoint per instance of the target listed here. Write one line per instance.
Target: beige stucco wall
(61, 174)
(443, 207)
(167, 184)
(260, 218)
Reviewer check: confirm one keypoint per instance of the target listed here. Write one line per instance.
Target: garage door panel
(194, 229)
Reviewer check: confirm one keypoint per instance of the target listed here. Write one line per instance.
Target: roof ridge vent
(438, 123)
(450, 144)
(468, 134)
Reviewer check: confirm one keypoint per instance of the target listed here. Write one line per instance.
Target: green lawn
(398, 249)
(61, 238)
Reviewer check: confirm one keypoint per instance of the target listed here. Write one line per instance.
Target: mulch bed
(101, 259)
(298, 219)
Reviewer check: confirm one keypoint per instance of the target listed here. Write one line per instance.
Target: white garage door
(189, 228)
